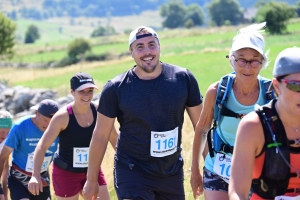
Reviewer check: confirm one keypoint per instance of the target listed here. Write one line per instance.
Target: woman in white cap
(266, 157)
(74, 126)
(226, 102)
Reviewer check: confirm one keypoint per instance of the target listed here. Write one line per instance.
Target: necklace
(296, 129)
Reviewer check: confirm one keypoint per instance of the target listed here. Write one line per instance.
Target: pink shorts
(68, 184)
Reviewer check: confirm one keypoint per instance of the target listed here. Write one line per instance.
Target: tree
(32, 34)
(297, 5)
(7, 37)
(189, 24)
(222, 10)
(78, 47)
(260, 3)
(174, 13)
(195, 13)
(276, 14)
(102, 31)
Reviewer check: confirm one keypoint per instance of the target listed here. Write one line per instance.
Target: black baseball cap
(46, 107)
(81, 81)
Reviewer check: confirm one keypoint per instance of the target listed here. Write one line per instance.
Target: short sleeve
(194, 98)
(13, 137)
(108, 101)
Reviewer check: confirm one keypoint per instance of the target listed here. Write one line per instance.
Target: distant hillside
(44, 9)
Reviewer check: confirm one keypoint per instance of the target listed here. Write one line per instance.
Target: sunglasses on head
(292, 85)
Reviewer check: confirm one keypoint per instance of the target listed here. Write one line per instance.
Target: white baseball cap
(133, 35)
(250, 37)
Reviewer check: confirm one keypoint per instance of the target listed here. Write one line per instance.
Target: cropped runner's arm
(4, 179)
(114, 134)
(57, 123)
(113, 137)
(4, 157)
(199, 143)
(97, 150)
(248, 144)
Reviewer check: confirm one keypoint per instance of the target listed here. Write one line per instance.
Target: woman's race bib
(80, 157)
(222, 166)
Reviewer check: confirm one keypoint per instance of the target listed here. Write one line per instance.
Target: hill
(44, 9)
(64, 29)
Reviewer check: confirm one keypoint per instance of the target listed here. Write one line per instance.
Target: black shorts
(19, 191)
(212, 181)
(135, 185)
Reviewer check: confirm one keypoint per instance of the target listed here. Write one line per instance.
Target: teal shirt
(229, 124)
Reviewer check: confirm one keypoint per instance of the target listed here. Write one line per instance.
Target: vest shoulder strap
(275, 175)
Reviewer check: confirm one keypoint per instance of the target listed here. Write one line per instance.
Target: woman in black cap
(74, 125)
(266, 158)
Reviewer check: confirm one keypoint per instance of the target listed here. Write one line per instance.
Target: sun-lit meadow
(200, 50)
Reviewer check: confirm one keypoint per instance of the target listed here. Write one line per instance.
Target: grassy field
(202, 51)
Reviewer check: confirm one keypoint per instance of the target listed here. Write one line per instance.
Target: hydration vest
(276, 174)
(220, 110)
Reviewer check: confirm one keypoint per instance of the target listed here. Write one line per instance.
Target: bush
(78, 47)
(102, 31)
(189, 24)
(67, 61)
(227, 23)
(32, 34)
(276, 14)
(100, 57)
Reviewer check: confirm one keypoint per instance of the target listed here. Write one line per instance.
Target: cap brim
(35, 107)
(87, 85)
(245, 45)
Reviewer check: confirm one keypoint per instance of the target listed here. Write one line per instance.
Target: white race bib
(80, 157)
(44, 167)
(164, 143)
(222, 166)
(287, 198)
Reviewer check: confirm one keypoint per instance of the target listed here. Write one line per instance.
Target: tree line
(100, 8)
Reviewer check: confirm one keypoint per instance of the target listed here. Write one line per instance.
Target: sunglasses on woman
(292, 85)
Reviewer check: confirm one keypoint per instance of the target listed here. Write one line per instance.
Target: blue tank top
(229, 124)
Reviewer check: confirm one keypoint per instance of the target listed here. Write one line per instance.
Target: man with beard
(148, 101)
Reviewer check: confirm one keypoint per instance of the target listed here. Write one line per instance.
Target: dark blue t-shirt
(145, 107)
